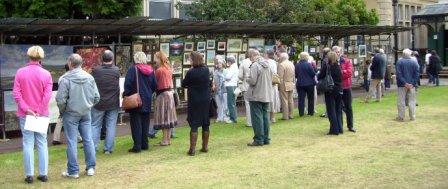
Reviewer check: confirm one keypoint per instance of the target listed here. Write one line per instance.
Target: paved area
(15, 144)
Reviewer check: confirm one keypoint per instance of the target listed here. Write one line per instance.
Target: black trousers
(334, 111)
(347, 106)
(307, 91)
(139, 128)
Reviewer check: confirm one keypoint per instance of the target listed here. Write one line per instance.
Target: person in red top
(165, 109)
(347, 73)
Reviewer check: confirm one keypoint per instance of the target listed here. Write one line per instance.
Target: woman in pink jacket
(32, 92)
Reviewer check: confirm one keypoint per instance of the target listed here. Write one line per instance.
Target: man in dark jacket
(407, 76)
(305, 75)
(378, 69)
(107, 77)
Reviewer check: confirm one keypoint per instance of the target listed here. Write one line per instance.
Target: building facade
(164, 9)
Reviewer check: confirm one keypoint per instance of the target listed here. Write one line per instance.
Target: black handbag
(213, 108)
(326, 84)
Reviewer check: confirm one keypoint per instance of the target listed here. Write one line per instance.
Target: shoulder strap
(136, 76)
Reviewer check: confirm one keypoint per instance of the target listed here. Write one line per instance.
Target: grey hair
(381, 51)
(107, 56)
(231, 59)
(140, 58)
(337, 49)
(75, 60)
(253, 52)
(270, 53)
(219, 59)
(284, 56)
(304, 56)
(407, 53)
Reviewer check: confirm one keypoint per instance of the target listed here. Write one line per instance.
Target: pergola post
(395, 11)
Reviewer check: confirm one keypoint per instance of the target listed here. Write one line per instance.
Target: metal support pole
(395, 8)
(1, 39)
(412, 35)
(49, 39)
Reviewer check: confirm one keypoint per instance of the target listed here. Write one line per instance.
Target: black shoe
(132, 150)
(323, 115)
(352, 130)
(173, 136)
(42, 178)
(267, 143)
(333, 134)
(254, 144)
(29, 179)
(56, 143)
(147, 148)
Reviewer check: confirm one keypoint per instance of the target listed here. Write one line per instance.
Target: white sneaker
(73, 176)
(90, 172)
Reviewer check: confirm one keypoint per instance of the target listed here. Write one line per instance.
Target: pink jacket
(347, 72)
(32, 89)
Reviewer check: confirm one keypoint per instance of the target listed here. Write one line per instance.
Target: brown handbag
(133, 101)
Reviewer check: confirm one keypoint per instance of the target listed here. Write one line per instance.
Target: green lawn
(382, 154)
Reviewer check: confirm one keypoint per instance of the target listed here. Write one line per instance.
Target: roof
(438, 9)
(147, 26)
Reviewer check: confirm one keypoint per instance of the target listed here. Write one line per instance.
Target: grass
(382, 154)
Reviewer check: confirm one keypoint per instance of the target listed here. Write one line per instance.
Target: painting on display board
(91, 57)
(211, 44)
(13, 57)
(221, 46)
(256, 43)
(234, 45)
(189, 46)
(123, 58)
(165, 49)
(176, 47)
(176, 64)
(201, 46)
(187, 58)
(269, 47)
(244, 47)
(211, 57)
(362, 50)
(137, 47)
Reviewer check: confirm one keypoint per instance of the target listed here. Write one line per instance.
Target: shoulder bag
(133, 101)
(326, 84)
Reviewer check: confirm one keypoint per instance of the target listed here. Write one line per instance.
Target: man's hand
(409, 86)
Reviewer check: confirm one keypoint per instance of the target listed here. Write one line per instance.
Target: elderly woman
(32, 92)
(142, 76)
(305, 75)
(274, 105)
(220, 90)
(231, 83)
(197, 81)
(165, 110)
(333, 98)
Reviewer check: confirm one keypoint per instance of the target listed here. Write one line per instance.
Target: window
(407, 13)
(412, 10)
(400, 12)
(160, 9)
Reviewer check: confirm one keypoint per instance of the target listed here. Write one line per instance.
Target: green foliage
(69, 8)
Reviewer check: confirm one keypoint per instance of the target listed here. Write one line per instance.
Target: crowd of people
(89, 101)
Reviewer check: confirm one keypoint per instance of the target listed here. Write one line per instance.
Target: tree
(69, 8)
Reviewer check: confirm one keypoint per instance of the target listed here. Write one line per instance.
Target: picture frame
(184, 72)
(362, 51)
(201, 46)
(245, 47)
(256, 43)
(189, 46)
(211, 44)
(222, 46)
(234, 45)
(210, 57)
(186, 59)
(165, 48)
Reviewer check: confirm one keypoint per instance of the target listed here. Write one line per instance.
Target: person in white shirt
(427, 56)
(243, 75)
(274, 106)
(231, 82)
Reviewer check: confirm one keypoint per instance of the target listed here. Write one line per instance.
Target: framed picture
(201, 46)
(362, 50)
(234, 45)
(211, 57)
(256, 43)
(189, 46)
(210, 44)
(187, 58)
(221, 46)
(176, 64)
(165, 48)
(241, 57)
(244, 47)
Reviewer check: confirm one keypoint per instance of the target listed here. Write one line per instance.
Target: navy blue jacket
(378, 66)
(305, 74)
(147, 85)
(407, 71)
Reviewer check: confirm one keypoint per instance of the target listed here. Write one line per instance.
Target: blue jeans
(28, 138)
(109, 119)
(73, 124)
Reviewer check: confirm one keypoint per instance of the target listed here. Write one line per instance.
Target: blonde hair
(36, 53)
(332, 58)
(163, 59)
(140, 58)
(304, 56)
(197, 59)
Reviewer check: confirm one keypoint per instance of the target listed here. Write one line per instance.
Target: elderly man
(378, 69)
(243, 75)
(231, 82)
(107, 78)
(286, 74)
(77, 94)
(260, 87)
(407, 72)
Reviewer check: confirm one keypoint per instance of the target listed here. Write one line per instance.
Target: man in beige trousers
(286, 73)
